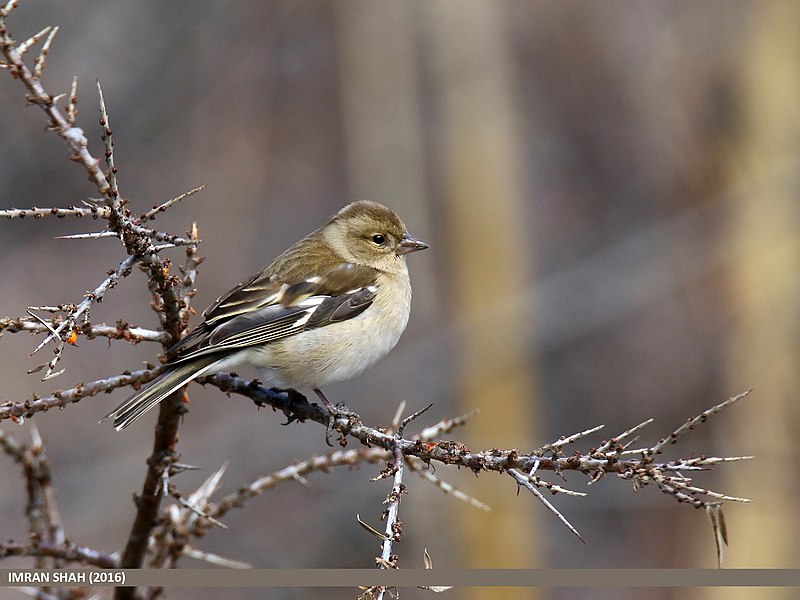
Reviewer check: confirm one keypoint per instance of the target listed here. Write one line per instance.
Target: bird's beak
(410, 244)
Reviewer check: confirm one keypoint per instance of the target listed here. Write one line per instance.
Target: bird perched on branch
(323, 311)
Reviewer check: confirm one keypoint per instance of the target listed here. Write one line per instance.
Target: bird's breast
(339, 351)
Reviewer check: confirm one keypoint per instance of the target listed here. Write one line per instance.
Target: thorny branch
(73, 136)
(92, 210)
(195, 516)
(174, 524)
(120, 331)
(66, 552)
(134, 236)
(593, 463)
(611, 457)
(18, 411)
(169, 293)
(44, 518)
(393, 532)
(75, 312)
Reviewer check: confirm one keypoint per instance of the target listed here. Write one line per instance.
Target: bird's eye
(378, 239)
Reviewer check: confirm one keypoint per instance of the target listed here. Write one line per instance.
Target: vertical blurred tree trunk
(765, 283)
(380, 100)
(491, 255)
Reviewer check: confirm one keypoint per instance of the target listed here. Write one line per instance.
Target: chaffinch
(323, 311)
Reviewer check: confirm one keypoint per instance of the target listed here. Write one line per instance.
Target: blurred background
(610, 193)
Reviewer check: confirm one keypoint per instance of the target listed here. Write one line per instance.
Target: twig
(702, 463)
(112, 194)
(18, 411)
(688, 493)
(455, 453)
(172, 240)
(73, 136)
(179, 521)
(135, 244)
(606, 446)
(553, 488)
(145, 233)
(54, 360)
(323, 463)
(298, 471)
(691, 423)
(525, 482)
(418, 467)
(393, 531)
(564, 440)
(10, 5)
(71, 108)
(95, 212)
(44, 518)
(189, 275)
(140, 249)
(446, 426)
(295, 472)
(198, 502)
(94, 235)
(48, 500)
(28, 44)
(123, 270)
(151, 214)
(39, 61)
(412, 417)
(164, 455)
(215, 559)
(67, 551)
(398, 415)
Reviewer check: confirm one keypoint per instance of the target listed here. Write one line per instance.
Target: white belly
(339, 351)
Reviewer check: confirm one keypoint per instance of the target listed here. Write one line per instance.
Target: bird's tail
(158, 389)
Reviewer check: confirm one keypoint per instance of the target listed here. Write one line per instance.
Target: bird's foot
(334, 412)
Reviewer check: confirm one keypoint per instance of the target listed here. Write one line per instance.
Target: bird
(327, 308)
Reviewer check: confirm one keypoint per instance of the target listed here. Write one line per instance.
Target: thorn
(86, 236)
(73, 100)
(11, 5)
(26, 45)
(39, 62)
(162, 207)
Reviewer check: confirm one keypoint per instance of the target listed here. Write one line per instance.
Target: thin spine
(28, 44)
(71, 108)
(151, 214)
(523, 481)
(39, 61)
(694, 421)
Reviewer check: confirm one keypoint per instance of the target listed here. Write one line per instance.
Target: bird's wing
(263, 310)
